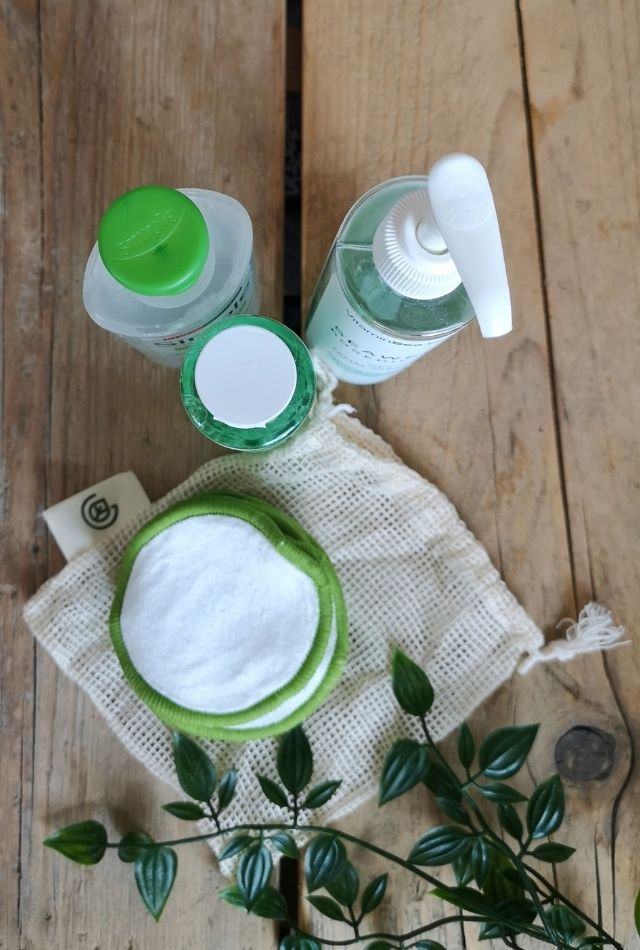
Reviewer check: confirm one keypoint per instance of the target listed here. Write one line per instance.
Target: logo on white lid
(245, 376)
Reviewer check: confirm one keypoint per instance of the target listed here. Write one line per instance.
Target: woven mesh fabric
(412, 574)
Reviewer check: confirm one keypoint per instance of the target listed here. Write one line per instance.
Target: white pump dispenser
(415, 260)
(448, 232)
(465, 213)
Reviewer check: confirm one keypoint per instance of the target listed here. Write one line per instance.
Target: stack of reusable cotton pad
(228, 618)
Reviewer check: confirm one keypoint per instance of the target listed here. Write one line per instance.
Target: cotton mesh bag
(412, 574)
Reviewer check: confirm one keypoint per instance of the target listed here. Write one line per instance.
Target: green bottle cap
(154, 241)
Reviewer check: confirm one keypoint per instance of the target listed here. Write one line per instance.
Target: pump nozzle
(463, 208)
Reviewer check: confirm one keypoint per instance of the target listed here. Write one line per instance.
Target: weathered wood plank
(583, 67)
(131, 93)
(24, 393)
(386, 91)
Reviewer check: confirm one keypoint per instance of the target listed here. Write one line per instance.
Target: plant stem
(214, 815)
(565, 900)
(367, 845)
(523, 848)
(354, 922)
(395, 859)
(401, 938)
(281, 826)
(500, 844)
(454, 918)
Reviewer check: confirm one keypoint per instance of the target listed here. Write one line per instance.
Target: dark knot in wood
(585, 753)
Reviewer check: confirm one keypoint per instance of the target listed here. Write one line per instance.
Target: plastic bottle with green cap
(168, 263)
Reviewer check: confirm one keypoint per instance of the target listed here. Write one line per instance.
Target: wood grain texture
(97, 98)
(386, 91)
(583, 68)
(25, 344)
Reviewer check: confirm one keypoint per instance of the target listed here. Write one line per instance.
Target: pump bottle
(415, 260)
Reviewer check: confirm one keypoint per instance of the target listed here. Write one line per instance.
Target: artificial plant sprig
(496, 886)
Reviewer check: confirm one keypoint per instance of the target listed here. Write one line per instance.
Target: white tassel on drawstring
(594, 630)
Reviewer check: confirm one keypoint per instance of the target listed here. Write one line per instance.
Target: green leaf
(273, 791)
(295, 761)
(320, 794)
(552, 853)
(466, 746)
(463, 867)
(473, 863)
(636, 913)
(285, 844)
(188, 811)
(464, 897)
(345, 887)
(411, 685)
(155, 871)
(232, 896)
(196, 772)
(594, 942)
(294, 942)
(499, 884)
(440, 782)
(326, 906)
(254, 872)
(510, 821)
(405, 765)
(132, 844)
(518, 910)
(566, 924)
(227, 789)
(84, 842)
(504, 752)
(373, 894)
(453, 810)
(440, 846)
(481, 857)
(235, 846)
(324, 859)
(379, 945)
(503, 794)
(545, 810)
(428, 945)
(270, 904)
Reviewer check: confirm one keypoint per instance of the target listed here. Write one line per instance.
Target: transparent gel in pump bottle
(167, 264)
(415, 260)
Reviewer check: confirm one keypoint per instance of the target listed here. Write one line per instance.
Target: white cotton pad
(292, 706)
(224, 617)
(214, 617)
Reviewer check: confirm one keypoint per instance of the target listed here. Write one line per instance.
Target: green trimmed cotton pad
(228, 618)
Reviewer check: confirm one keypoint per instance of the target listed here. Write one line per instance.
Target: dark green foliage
(405, 765)
(84, 842)
(196, 772)
(155, 871)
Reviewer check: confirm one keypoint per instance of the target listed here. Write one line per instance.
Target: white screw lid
(448, 232)
(245, 376)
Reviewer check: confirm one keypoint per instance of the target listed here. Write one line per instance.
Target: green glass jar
(248, 383)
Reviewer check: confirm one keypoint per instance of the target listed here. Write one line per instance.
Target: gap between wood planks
(290, 870)
(537, 214)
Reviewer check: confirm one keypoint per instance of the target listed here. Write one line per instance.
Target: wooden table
(534, 437)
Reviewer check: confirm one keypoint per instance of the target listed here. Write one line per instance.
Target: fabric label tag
(90, 516)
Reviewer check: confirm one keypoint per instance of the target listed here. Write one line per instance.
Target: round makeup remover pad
(228, 618)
